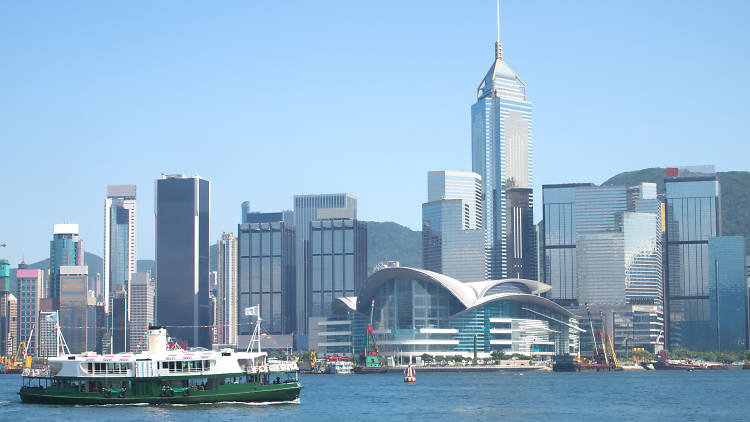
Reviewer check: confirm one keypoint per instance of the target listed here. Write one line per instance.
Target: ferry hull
(268, 393)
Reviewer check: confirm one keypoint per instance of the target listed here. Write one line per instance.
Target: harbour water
(637, 395)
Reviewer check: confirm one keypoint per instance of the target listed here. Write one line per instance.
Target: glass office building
(452, 235)
(692, 217)
(419, 311)
(119, 258)
(266, 273)
(601, 245)
(66, 249)
(182, 243)
(305, 211)
(501, 133)
(29, 287)
(77, 310)
(338, 257)
(727, 293)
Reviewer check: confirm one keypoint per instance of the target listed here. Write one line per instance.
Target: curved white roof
(470, 295)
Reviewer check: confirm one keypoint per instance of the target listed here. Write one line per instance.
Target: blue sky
(272, 99)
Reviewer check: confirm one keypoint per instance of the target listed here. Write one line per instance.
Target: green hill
(390, 241)
(735, 196)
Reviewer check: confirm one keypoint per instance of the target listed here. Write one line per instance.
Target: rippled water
(638, 396)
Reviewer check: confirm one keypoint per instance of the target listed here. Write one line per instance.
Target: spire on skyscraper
(501, 79)
(498, 43)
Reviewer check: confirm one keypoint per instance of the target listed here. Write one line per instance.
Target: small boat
(409, 374)
(338, 365)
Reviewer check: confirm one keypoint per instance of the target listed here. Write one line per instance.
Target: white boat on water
(339, 365)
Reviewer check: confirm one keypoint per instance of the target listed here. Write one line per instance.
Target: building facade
(602, 244)
(337, 254)
(305, 211)
(418, 311)
(119, 260)
(29, 287)
(4, 275)
(66, 249)
(141, 311)
(226, 290)
(692, 217)
(727, 293)
(501, 132)
(48, 341)
(452, 231)
(77, 309)
(266, 273)
(182, 252)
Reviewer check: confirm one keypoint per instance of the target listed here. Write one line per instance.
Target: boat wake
(261, 403)
(244, 403)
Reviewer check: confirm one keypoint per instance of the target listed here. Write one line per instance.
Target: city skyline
(561, 133)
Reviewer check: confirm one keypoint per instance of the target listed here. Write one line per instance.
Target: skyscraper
(452, 235)
(226, 290)
(4, 275)
(182, 243)
(120, 213)
(266, 273)
(66, 249)
(602, 244)
(77, 309)
(305, 211)
(29, 287)
(501, 132)
(141, 310)
(727, 293)
(692, 217)
(338, 258)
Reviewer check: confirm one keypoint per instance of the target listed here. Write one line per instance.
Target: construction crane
(602, 334)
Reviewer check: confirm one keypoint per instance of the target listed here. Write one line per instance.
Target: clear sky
(272, 99)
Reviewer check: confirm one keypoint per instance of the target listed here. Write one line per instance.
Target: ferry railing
(35, 373)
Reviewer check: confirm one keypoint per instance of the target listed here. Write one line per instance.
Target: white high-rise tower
(120, 214)
(501, 155)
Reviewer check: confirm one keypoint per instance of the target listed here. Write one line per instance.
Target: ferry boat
(338, 365)
(162, 376)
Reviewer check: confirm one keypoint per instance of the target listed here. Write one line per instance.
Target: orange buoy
(409, 375)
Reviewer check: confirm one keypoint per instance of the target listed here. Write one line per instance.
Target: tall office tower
(602, 244)
(266, 273)
(560, 241)
(692, 217)
(4, 275)
(182, 243)
(727, 294)
(118, 322)
(66, 249)
(226, 290)
(452, 233)
(501, 134)
(8, 323)
(305, 210)
(338, 258)
(141, 310)
(29, 287)
(77, 309)
(120, 215)
(48, 345)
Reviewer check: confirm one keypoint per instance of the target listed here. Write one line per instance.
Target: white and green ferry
(163, 376)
